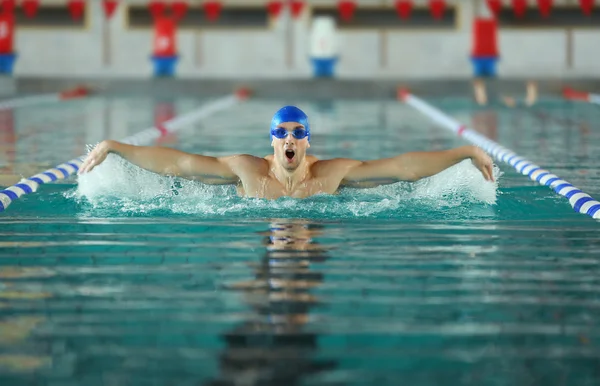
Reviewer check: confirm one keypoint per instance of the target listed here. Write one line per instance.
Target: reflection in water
(486, 123)
(18, 352)
(275, 346)
(164, 111)
(8, 147)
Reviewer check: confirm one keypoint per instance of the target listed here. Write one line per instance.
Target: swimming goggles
(281, 133)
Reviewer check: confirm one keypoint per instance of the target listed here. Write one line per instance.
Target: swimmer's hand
(96, 157)
(483, 162)
(172, 162)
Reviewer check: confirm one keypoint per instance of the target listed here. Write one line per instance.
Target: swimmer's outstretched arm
(414, 166)
(165, 161)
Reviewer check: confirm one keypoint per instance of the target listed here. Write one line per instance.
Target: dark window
(560, 17)
(386, 17)
(49, 16)
(234, 17)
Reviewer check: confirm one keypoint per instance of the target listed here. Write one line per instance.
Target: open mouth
(289, 153)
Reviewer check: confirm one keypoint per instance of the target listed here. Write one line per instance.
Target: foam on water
(121, 188)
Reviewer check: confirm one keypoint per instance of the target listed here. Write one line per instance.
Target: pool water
(125, 277)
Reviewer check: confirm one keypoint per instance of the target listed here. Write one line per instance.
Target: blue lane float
(579, 200)
(31, 184)
(65, 170)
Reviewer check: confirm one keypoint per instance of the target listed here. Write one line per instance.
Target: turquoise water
(124, 277)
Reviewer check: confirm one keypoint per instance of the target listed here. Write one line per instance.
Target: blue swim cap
(290, 114)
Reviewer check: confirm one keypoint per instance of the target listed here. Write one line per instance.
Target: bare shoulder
(334, 165)
(243, 161)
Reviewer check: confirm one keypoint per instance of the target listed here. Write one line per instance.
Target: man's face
(290, 151)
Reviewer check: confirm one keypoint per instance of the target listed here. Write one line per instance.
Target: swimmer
(289, 171)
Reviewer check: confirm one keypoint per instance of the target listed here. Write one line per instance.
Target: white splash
(462, 179)
(119, 185)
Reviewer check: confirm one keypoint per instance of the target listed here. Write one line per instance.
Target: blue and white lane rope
(64, 170)
(580, 201)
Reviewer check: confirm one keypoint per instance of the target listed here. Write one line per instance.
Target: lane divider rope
(78, 92)
(66, 169)
(579, 200)
(574, 95)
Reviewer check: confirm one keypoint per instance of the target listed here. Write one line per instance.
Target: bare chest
(271, 188)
